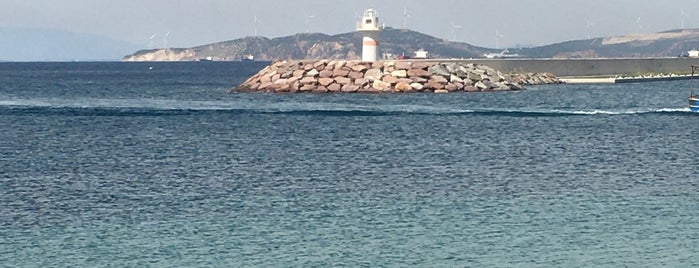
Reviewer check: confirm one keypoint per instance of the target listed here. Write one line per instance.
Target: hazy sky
(190, 22)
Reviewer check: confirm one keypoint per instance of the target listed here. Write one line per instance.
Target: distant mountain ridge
(315, 46)
(29, 44)
(405, 42)
(663, 44)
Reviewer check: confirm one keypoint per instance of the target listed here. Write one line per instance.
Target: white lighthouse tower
(369, 26)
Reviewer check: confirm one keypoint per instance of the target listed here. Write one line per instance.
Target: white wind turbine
(454, 28)
(589, 24)
(150, 40)
(165, 40)
(638, 25)
(498, 36)
(255, 23)
(406, 16)
(683, 15)
(308, 22)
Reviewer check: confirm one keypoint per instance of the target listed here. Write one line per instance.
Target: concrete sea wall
(386, 77)
(590, 67)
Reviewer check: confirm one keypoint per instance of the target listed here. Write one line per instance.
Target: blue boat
(693, 99)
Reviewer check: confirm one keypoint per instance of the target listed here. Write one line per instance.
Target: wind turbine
(589, 24)
(406, 15)
(165, 40)
(682, 16)
(150, 40)
(498, 36)
(638, 25)
(255, 22)
(454, 28)
(308, 22)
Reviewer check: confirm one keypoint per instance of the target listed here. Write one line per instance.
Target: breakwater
(326, 76)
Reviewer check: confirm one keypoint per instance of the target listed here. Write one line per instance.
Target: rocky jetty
(338, 76)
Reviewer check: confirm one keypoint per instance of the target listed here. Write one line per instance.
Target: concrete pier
(608, 67)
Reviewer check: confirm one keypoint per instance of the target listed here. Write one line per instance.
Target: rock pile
(384, 76)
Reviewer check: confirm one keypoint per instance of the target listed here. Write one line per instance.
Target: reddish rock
(281, 81)
(405, 81)
(320, 89)
(403, 87)
(470, 89)
(422, 65)
(335, 88)
(309, 80)
(350, 88)
(266, 78)
(376, 65)
(343, 80)
(356, 75)
(418, 73)
(307, 87)
(420, 80)
(295, 86)
(282, 89)
(320, 65)
(359, 68)
(325, 74)
(308, 67)
(361, 82)
(434, 85)
(325, 81)
(340, 72)
(453, 87)
(438, 79)
(403, 65)
(390, 79)
(266, 86)
(299, 73)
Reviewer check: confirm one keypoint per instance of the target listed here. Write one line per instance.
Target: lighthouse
(369, 27)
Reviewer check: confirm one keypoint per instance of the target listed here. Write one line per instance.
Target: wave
(150, 107)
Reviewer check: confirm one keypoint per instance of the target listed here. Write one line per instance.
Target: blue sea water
(157, 165)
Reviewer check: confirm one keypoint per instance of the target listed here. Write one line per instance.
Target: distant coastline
(397, 43)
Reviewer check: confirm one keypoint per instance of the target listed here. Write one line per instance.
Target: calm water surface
(122, 164)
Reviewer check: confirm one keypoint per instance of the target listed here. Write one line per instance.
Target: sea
(108, 164)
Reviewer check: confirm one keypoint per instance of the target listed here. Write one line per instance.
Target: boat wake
(155, 107)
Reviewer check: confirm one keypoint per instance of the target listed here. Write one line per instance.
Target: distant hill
(315, 46)
(664, 44)
(20, 44)
(399, 42)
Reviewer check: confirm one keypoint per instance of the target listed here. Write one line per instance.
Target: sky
(493, 23)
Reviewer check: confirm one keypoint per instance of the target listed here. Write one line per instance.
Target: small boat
(693, 99)
(248, 57)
